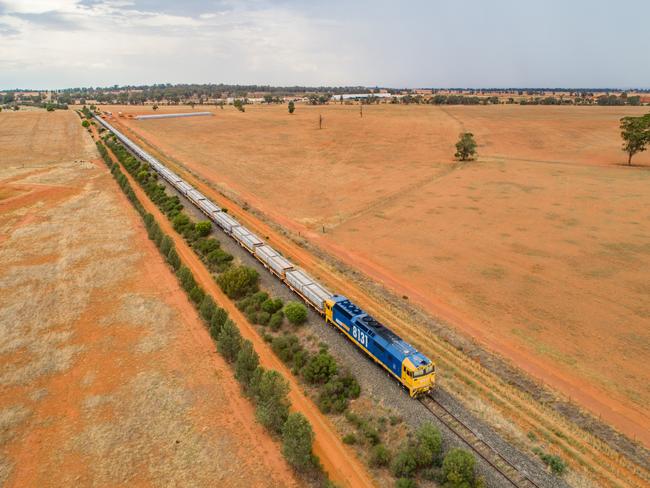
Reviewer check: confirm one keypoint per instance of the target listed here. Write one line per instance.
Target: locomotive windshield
(422, 371)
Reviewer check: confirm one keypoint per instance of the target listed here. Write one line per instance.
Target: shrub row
(148, 179)
(267, 388)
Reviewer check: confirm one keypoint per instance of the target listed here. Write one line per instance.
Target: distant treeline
(208, 93)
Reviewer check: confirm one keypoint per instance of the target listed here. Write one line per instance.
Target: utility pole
(361, 109)
(320, 121)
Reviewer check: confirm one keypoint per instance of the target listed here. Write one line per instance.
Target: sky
(52, 44)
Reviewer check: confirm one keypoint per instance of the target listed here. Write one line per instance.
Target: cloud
(59, 43)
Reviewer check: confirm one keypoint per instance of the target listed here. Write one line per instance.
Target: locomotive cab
(418, 378)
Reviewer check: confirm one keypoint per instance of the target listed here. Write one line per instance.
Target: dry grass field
(540, 249)
(104, 378)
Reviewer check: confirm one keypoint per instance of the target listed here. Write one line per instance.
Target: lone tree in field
(465, 147)
(155, 106)
(635, 132)
(292, 107)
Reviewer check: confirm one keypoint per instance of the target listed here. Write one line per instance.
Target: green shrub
(173, 259)
(371, 434)
(203, 228)
(276, 321)
(181, 222)
(263, 318)
(458, 469)
(379, 456)
(186, 278)
(296, 313)
(165, 245)
(238, 281)
(405, 483)
(219, 317)
(320, 368)
(258, 298)
(404, 464)
(219, 259)
(229, 341)
(334, 396)
(197, 294)
(285, 347)
(246, 363)
(428, 445)
(85, 124)
(350, 438)
(272, 405)
(297, 441)
(206, 246)
(272, 305)
(251, 313)
(557, 465)
(207, 308)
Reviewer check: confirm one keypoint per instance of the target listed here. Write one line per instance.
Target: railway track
(474, 441)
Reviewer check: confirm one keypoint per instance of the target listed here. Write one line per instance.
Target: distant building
(359, 96)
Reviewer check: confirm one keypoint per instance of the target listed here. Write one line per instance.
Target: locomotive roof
(377, 329)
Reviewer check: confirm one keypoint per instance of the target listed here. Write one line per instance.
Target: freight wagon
(401, 360)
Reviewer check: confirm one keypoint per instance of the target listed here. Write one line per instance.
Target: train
(412, 369)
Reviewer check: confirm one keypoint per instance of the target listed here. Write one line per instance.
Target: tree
(165, 245)
(458, 469)
(297, 440)
(404, 464)
(203, 228)
(239, 105)
(155, 106)
(428, 444)
(296, 312)
(219, 317)
(292, 107)
(320, 368)
(238, 281)
(85, 124)
(272, 402)
(207, 308)
(229, 342)
(465, 147)
(246, 364)
(635, 132)
(173, 259)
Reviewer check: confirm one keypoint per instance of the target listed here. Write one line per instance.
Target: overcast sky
(463, 43)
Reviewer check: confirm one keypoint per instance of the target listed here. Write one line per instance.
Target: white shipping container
(264, 253)
(298, 279)
(251, 241)
(279, 264)
(225, 221)
(209, 207)
(316, 295)
(183, 187)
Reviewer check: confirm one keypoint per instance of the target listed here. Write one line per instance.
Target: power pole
(361, 109)
(320, 121)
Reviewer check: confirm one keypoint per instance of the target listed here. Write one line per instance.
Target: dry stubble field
(540, 250)
(104, 377)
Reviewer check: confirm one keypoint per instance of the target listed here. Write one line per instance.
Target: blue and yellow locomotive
(411, 368)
